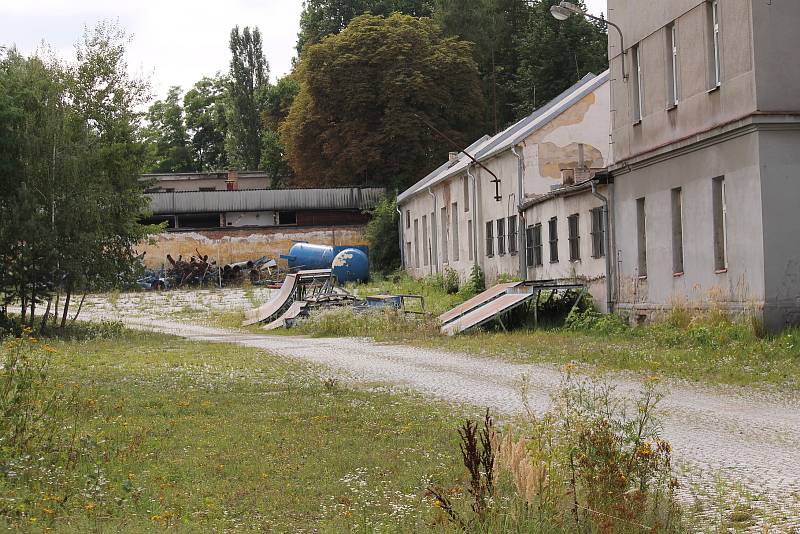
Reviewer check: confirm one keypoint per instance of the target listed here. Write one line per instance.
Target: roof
(211, 175)
(489, 147)
(600, 177)
(264, 200)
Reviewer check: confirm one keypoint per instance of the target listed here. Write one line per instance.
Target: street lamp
(565, 9)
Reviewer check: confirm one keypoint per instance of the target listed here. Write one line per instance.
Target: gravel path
(751, 438)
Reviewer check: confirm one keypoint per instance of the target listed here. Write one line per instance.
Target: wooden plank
(486, 313)
(294, 310)
(477, 301)
(266, 311)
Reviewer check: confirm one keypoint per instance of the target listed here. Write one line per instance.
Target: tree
(383, 236)
(321, 18)
(206, 123)
(167, 136)
(276, 101)
(366, 97)
(249, 75)
(556, 54)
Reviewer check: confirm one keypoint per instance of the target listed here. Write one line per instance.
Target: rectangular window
(714, 56)
(425, 245)
(443, 222)
(598, 233)
(573, 222)
(471, 236)
(538, 249)
(552, 226)
(637, 84)
(454, 227)
(466, 193)
(490, 239)
(512, 234)
(672, 66)
(720, 225)
(641, 233)
(501, 236)
(677, 231)
(408, 218)
(407, 259)
(529, 246)
(416, 243)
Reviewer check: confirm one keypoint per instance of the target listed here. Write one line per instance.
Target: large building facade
(706, 139)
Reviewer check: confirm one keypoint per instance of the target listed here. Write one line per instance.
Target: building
(706, 137)
(466, 213)
(213, 214)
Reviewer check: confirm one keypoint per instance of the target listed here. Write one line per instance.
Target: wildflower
(156, 518)
(90, 506)
(48, 511)
(50, 349)
(645, 450)
(34, 340)
(652, 378)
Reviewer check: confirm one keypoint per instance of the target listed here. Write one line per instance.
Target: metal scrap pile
(199, 270)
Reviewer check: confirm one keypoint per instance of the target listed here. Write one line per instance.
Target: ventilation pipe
(434, 239)
(474, 214)
(607, 236)
(400, 234)
(521, 225)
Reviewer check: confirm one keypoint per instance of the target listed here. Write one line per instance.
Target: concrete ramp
(269, 309)
(477, 301)
(294, 310)
(486, 312)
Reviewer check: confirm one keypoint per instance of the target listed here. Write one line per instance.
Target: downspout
(607, 235)
(521, 226)
(400, 234)
(434, 238)
(474, 214)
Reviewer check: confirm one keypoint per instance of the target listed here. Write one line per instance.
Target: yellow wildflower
(50, 349)
(90, 506)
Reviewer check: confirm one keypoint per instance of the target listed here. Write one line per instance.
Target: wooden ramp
(294, 310)
(477, 301)
(275, 305)
(486, 312)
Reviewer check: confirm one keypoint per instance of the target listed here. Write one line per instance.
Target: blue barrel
(351, 265)
(307, 256)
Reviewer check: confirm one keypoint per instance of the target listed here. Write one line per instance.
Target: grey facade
(706, 134)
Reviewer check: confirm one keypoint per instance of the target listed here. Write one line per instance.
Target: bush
(587, 318)
(383, 237)
(475, 284)
(450, 281)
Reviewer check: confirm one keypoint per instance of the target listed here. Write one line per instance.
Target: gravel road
(751, 439)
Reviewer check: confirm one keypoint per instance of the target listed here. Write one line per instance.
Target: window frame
(676, 204)
(641, 236)
(552, 235)
(490, 239)
(574, 236)
(720, 224)
(598, 233)
(638, 100)
(501, 236)
(513, 236)
(673, 87)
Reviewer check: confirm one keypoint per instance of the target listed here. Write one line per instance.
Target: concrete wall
(693, 170)
(698, 109)
(775, 31)
(251, 218)
(587, 269)
(229, 245)
(217, 184)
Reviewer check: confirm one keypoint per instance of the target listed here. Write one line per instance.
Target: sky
(174, 42)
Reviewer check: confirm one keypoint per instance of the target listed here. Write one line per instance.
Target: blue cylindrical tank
(351, 265)
(308, 256)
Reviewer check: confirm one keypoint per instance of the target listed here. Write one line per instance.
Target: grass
(205, 437)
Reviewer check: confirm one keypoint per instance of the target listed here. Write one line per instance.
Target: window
(573, 222)
(443, 222)
(641, 233)
(501, 237)
(454, 226)
(677, 231)
(533, 235)
(207, 189)
(425, 246)
(471, 236)
(287, 217)
(714, 59)
(720, 225)
(490, 239)
(552, 226)
(637, 85)
(512, 234)
(407, 256)
(416, 243)
(466, 193)
(598, 233)
(433, 252)
(672, 66)
(408, 218)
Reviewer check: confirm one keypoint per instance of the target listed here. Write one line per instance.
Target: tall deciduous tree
(206, 122)
(321, 18)
(365, 98)
(249, 75)
(166, 135)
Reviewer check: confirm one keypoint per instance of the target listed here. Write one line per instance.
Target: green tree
(276, 100)
(321, 18)
(556, 54)
(206, 122)
(366, 96)
(249, 76)
(383, 236)
(166, 135)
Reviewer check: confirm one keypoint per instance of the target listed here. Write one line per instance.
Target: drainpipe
(434, 238)
(607, 235)
(521, 226)
(474, 214)
(400, 234)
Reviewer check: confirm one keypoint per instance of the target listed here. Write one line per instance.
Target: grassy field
(196, 437)
(711, 349)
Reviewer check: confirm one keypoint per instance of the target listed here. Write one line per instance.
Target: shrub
(587, 318)
(383, 237)
(450, 281)
(475, 284)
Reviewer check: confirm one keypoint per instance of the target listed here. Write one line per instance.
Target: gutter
(522, 250)
(474, 214)
(434, 240)
(400, 234)
(607, 235)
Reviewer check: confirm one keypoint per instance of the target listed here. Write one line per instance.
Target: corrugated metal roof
(486, 148)
(265, 200)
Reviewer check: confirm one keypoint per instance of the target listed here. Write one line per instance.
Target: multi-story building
(706, 142)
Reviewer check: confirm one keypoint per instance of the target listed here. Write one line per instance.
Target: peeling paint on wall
(553, 158)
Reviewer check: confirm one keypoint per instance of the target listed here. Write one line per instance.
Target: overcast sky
(175, 42)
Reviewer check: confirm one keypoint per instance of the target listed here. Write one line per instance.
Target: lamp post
(565, 9)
